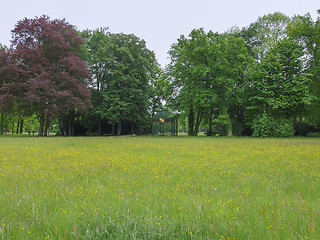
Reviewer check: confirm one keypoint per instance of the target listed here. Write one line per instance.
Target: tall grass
(159, 188)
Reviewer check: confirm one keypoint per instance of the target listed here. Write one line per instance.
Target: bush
(210, 133)
(267, 126)
(221, 124)
(92, 134)
(303, 129)
(314, 134)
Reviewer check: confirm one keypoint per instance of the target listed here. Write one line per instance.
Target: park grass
(159, 188)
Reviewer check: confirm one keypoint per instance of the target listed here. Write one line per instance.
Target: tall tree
(307, 32)
(206, 68)
(128, 89)
(122, 67)
(238, 63)
(160, 90)
(261, 35)
(51, 77)
(279, 83)
(8, 71)
(98, 57)
(192, 58)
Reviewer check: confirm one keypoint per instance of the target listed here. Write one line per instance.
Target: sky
(160, 23)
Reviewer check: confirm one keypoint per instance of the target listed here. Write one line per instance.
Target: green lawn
(159, 188)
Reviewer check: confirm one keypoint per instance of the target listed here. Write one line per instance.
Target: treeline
(257, 80)
(87, 83)
(261, 80)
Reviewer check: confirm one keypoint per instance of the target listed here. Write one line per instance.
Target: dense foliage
(122, 67)
(208, 72)
(45, 74)
(96, 82)
(268, 126)
(230, 79)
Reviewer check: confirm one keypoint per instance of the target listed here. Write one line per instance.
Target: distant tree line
(261, 80)
(257, 80)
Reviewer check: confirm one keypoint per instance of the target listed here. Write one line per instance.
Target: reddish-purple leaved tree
(50, 78)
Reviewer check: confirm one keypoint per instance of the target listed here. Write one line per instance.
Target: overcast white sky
(159, 23)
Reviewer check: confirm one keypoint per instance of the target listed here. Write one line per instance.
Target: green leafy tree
(160, 90)
(207, 68)
(279, 84)
(122, 67)
(98, 57)
(236, 71)
(307, 32)
(261, 35)
(190, 66)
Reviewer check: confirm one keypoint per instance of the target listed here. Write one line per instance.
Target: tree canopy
(208, 70)
(122, 67)
(49, 79)
(240, 82)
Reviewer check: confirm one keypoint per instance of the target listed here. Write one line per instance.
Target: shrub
(222, 123)
(303, 129)
(267, 126)
(210, 133)
(314, 134)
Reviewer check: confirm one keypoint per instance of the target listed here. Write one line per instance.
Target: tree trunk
(69, 129)
(99, 126)
(21, 126)
(65, 130)
(71, 122)
(2, 123)
(12, 127)
(210, 131)
(229, 123)
(198, 122)
(72, 125)
(190, 121)
(47, 125)
(40, 134)
(18, 124)
(78, 132)
(229, 126)
(119, 128)
(62, 127)
(112, 129)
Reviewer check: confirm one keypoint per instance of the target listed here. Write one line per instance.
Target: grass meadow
(159, 188)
